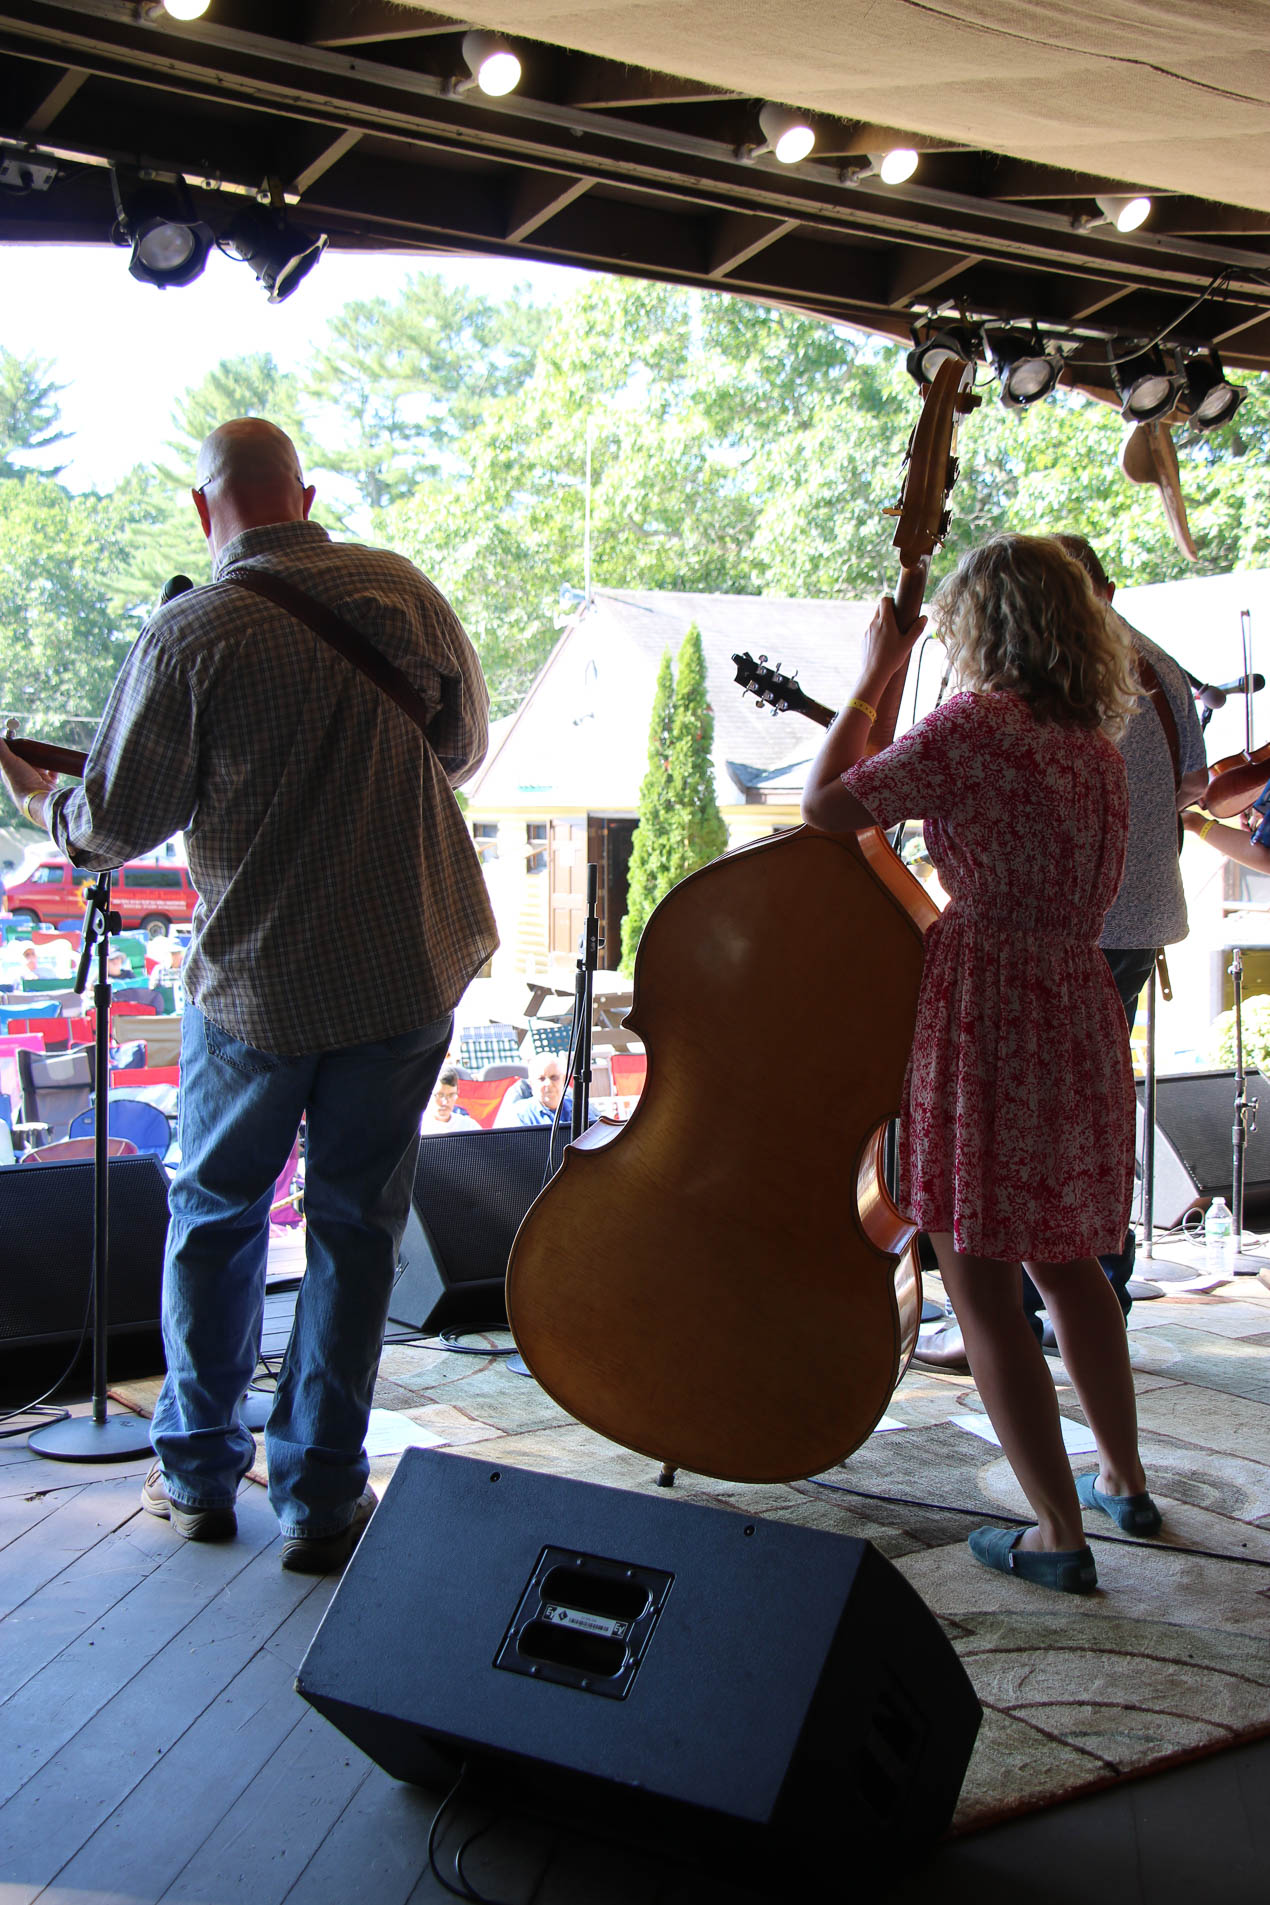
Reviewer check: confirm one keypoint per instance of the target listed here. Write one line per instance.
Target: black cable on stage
(1029, 1521)
(448, 1340)
(465, 1888)
(37, 1407)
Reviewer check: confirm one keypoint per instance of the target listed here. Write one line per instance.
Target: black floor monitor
(471, 1191)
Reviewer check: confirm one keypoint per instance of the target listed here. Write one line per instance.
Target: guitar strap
(338, 634)
(1154, 690)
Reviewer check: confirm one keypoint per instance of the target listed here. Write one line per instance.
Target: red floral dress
(1017, 1132)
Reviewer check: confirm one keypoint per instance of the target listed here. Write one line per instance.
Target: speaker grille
(46, 1222)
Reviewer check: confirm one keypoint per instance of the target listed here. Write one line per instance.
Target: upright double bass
(714, 1284)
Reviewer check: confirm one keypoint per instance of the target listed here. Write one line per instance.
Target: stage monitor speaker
(46, 1223)
(470, 1192)
(663, 1668)
(1194, 1146)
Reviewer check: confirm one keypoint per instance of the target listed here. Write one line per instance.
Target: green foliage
(29, 411)
(59, 652)
(1255, 1025)
(401, 384)
(700, 834)
(649, 877)
(250, 386)
(734, 448)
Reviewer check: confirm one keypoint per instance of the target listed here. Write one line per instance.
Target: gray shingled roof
(545, 749)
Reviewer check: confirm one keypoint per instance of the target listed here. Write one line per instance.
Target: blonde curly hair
(1020, 615)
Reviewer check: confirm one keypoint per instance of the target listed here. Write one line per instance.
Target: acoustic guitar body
(723, 1283)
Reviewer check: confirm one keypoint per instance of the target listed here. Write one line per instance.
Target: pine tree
(649, 876)
(700, 834)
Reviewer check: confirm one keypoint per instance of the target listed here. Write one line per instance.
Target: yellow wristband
(36, 794)
(1206, 829)
(864, 708)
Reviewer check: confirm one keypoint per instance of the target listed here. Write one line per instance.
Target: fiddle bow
(1238, 778)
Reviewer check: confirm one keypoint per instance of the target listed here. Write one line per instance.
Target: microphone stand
(1244, 1122)
(1163, 1270)
(100, 1437)
(583, 1006)
(580, 1042)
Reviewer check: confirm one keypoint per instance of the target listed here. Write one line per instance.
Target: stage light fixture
(1127, 213)
(492, 64)
(959, 341)
(186, 9)
(895, 166)
(1210, 400)
(278, 252)
(156, 217)
(1148, 388)
(787, 134)
(1027, 370)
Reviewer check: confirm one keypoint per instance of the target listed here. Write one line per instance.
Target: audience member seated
(55, 960)
(162, 955)
(547, 1080)
(444, 1112)
(17, 962)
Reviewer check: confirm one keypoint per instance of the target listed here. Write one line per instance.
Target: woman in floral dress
(1017, 1130)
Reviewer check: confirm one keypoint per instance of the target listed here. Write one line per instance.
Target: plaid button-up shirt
(341, 899)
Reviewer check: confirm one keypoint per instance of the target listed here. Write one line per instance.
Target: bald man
(326, 846)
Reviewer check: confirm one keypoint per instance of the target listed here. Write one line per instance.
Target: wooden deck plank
(134, 1853)
(308, 1784)
(26, 1510)
(100, 1565)
(214, 1601)
(377, 1848)
(36, 1477)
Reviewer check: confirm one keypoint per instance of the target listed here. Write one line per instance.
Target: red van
(143, 894)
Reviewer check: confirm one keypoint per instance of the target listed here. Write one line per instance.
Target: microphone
(1213, 696)
(174, 586)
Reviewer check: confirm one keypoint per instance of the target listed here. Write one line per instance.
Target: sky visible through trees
(735, 448)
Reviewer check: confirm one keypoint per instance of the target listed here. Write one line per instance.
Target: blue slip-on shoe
(1068, 1571)
(1134, 1514)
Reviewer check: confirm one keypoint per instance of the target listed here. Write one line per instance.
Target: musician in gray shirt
(1149, 911)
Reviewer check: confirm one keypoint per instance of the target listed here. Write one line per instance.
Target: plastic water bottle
(1219, 1239)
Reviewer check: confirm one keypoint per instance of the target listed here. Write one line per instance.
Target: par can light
(1026, 369)
(156, 217)
(278, 252)
(959, 341)
(1210, 400)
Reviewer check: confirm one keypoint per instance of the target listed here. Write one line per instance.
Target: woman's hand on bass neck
(887, 646)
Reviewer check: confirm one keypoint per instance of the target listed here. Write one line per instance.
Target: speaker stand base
(81, 1439)
(1169, 1270)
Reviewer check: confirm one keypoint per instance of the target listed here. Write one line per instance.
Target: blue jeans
(239, 1113)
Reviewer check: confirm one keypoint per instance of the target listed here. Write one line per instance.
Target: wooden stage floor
(154, 1750)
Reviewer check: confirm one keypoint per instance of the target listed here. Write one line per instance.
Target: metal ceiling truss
(589, 163)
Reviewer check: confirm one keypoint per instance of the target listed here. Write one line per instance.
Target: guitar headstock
(779, 692)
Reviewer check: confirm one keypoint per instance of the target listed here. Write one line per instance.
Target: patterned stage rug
(1168, 1660)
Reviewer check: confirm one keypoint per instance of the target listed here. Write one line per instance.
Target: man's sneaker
(326, 1554)
(196, 1524)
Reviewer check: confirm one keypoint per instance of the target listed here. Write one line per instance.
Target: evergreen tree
(649, 876)
(30, 412)
(699, 831)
